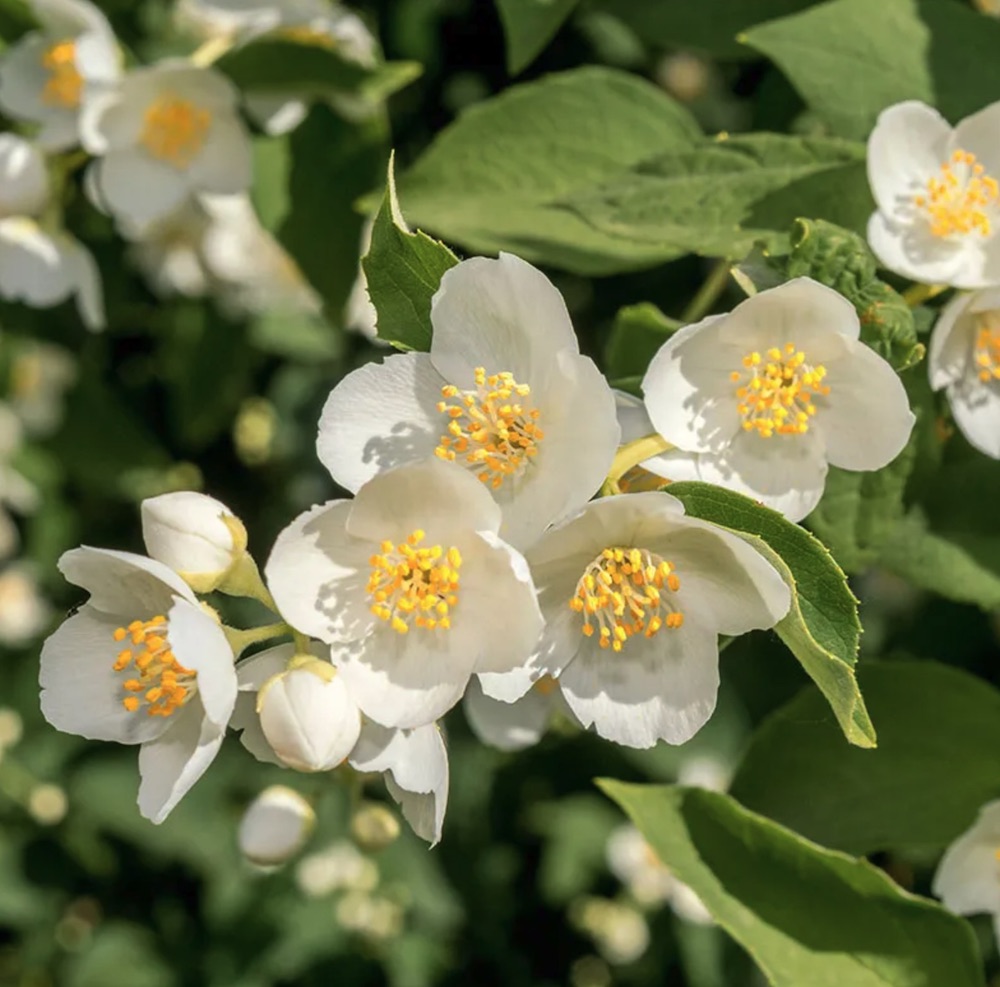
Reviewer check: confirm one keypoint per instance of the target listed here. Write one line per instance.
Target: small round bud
(374, 827)
(308, 716)
(275, 826)
(47, 804)
(196, 535)
(11, 727)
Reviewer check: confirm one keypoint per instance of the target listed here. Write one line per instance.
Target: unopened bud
(196, 535)
(24, 181)
(374, 827)
(308, 716)
(11, 727)
(47, 804)
(275, 826)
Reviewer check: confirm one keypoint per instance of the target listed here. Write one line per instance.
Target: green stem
(632, 454)
(241, 640)
(708, 293)
(211, 51)
(918, 293)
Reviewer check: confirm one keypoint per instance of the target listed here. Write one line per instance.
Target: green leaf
(497, 178)
(807, 915)
(282, 66)
(15, 20)
(529, 25)
(710, 26)
(404, 270)
(849, 59)
(937, 763)
(721, 195)
(822, 628)
(638, 332)
(333, 162)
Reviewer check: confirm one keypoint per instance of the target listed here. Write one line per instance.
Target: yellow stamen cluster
(621, 594)
(987, 349)
(776, 394)
(490, 429)
(413, 585)
(64, 86)
(960, 200)
(175, 130)
(159, 681)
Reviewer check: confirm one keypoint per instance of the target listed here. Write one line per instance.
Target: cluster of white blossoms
(170, 155)
(937, 189)
(472, 560)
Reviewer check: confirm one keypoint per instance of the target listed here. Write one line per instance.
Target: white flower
(411, 586)
(504, 392)
(24, 612)
(169, 252)
(40, 376)
(938, 197)
(16, 491)
(519, 724)
(49, 75)
(338, 867)
(414, 763)
(275, 826)
(620, 933)
(24, 181)
(43, 268)
(140, 663)
(196, 535)
(762, 399)
(968, 878)
(168, 132)
(964, 358)
(634, 596)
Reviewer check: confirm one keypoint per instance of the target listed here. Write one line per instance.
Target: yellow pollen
(175, 130)
(414, 585)
(623, 592)
(962, 199)
(156, 679)
(777, 391)
(491, 429)
(986, 352)
(64, 86)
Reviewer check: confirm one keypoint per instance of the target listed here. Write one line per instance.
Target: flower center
(159, 681)
(175, 130)
(776, 395)
(987, 348)
(490, 429)
(410, 584)
(620, 595)
(961, 199)
(65, 84)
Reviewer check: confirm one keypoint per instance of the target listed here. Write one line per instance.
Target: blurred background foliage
(183, 394)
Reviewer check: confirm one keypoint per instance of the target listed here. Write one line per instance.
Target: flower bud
(197, 536)
(308, 715)
(374, 827)
(24, 182)
(275, 826)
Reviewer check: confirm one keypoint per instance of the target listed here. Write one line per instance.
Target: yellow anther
(158, 680)
(986, 351)
(777, 398)
(414, 585)
(175, 130)
(621, 594)
(961, 200)
(494, 437)
(64, 86)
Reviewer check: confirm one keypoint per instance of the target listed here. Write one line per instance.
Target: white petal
(110, 121)
(22, 79)
(275, 826)
(380, 416)
(137, 189)
(867, 420)
(911, 250)
(966, 877)
(951, 341)
(976, 409)
(317, 574)
(633, 419)
(251, 675)
(502, 315)
(33, 269)
(188, 532)
(507, 726)
(24, 182)
(86, 278)
(81, 692)
(200, 644)
(687, 388)
(659, 688)
(978, 133)
(224, 165)
(172, 763)
(906, 148)
(124, 584)
(784, 314)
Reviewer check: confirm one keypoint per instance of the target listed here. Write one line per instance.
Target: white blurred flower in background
(49, 75)
(275, 826)
(40, 375)
(17, 493)
(24, 611)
